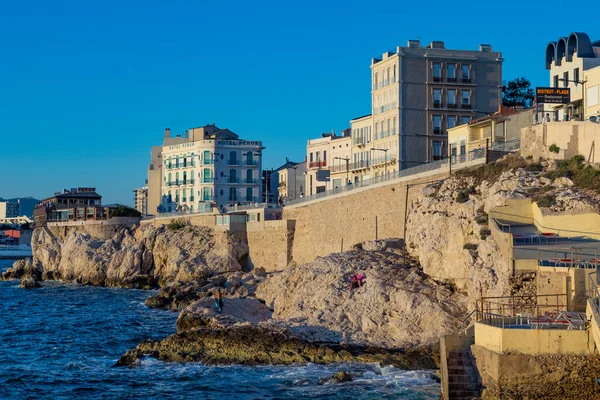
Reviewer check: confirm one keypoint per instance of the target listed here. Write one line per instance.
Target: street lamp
(384, 160)
(347, 159)
(582, 83)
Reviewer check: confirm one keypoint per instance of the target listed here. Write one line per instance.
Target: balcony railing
(466, 106)
(233, 163)
(207, 198)
(208, 162)
(451, 79)
(466, 79)
(317, 164)
(188, 182)
(250, 199)
(437, 104)
(250, 180)
(233, 180)
(451, 105)
(438, 131)
(437, 78)
(207, 180)
(192, 198)
(250, 163)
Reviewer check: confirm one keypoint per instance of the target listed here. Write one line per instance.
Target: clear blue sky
(88, 87)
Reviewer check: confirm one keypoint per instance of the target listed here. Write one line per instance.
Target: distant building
(574, 63)
(140, 200)
(291, 180)
(8, 210)
(71, 205)
(328, 162)
(503, 126)
(206, 167)
(269, 184)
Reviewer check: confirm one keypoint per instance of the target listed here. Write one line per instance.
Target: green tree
(124, 211)
(517, 92)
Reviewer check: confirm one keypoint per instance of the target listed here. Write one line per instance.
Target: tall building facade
(574, 63)
(291, 179)
(8, 210)
(328, 160)
(207, 167)
(417, 94)
(140, 200)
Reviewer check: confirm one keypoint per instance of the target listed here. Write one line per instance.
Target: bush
(470, 246)
(177, 224)
(583, 176)
(546, 200)
(481, 219)
(529, 157)
(484, 233)
(462, 196)
(534, 167)
(491, 172)
(123, 211)
(554, 148)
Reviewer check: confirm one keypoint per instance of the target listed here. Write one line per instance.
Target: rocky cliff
(141, 257)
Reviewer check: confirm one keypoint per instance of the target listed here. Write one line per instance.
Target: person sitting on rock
(361, 279)
(219, 302)
(353, 282)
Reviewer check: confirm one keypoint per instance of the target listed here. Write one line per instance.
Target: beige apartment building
(418, 93)
(291, 181)
(328, 161)
(574, 63)
(140, 200)
(8, 210)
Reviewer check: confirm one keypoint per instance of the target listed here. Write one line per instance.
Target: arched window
(375, 81)
(207, 175)
(169, 178)
(170, 162)
(185, 161)
(394, 73)
(177, 196)
(206, 194)
(170, 196)
(207, 157)
(184, 195)
(232, 176)
(192, 177)
(232, 158)
(249, 194)
(387, 77)
(249, 176)
(249, 158)
(184, 177)
(177, 178)
(232, 194)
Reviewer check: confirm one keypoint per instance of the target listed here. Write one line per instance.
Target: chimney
(186, 135)
(167, 133)
(485, 48)
(436, 44)
(414, 44)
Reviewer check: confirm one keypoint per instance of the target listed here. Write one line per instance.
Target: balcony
(250, 163)
(317, 164)
(466, 106)
(208, 162)
(207, 198)
(451, 105)
(250, 181)
(233, 180)
(466, 79)
(188, 182)
(451, 80)
(192, 198)
(437, 104)
(359, 164)
(233, 163)
(437, 78)
(207, 180)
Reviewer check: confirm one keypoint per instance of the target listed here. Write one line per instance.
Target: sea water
(62, 340)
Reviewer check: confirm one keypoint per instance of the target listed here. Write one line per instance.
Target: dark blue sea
(60, 342)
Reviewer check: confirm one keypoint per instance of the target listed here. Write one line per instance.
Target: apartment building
(574, 63)
(418, 93)
(291, 180)
(140, 200)
(207, 167)
(8, 210)
(328, 162)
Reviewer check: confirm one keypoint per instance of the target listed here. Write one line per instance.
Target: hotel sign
(546, 95)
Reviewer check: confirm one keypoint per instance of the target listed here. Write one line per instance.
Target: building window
(382, 129)
(232, 176)
(437, 72)
(324, 157)
(451, 121)
(437, 124)
(576, 74)
(249, 194)
(437, 150)
(376, 131)
(169, 179)
(232, 194)
(388, 128)
(465, 119)
(177, 178)
(311, 157)
(394, 73)
(437, 98)
(184, 177)
(375, 81)
(466, 99)
(566, 79)
(249, 178)
(394, 125)
(555, 80)
(466, 76)
(451, 72)
(177, 196)
(233, 158)
(451, 98)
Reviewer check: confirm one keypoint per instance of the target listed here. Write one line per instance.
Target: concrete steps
(463, 381)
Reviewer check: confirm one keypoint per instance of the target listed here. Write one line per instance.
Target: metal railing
(594, 292)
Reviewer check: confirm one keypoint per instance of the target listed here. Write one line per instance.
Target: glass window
(465, 119)
(311, 157)
(232, 194)
(576, 74)
(232, 175)
(249, 176)
(437, 70)
(452, 71)
(451, 96)
(451, 121)
(555, 80)
(566, 79)
(233, 157)
(437, 96)
(249, 194)
(437, 122)
(437, 150)
(465, 71)
(466, 96)
(375, 81)
(394, 73)
(394, 126)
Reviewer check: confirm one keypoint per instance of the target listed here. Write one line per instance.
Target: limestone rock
(340, 377)
(29, 283)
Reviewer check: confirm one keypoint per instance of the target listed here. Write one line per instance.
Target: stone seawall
(337, 224)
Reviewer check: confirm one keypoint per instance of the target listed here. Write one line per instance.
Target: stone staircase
(463, 378)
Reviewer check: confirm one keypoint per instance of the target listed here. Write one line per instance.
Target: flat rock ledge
(265, 344)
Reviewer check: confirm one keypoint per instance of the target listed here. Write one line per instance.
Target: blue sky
(88, 87)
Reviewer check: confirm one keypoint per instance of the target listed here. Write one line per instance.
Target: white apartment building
(209, 167)
(8, 210)
(140, 200)
(328, 162)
